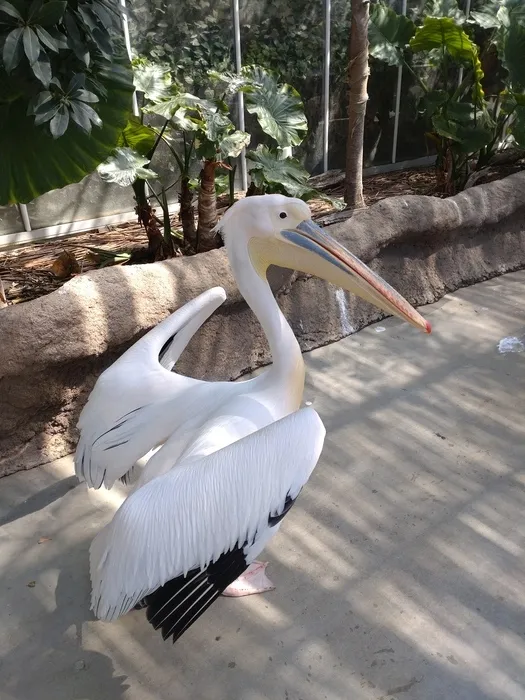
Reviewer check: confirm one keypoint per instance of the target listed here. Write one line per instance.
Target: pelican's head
(278, 230)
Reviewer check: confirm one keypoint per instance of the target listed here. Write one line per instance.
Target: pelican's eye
(283, 215)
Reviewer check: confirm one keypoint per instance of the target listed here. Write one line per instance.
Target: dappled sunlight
(399, 571)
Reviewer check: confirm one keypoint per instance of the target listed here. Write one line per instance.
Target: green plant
(129, 166)
(280, 114)
(270, 174)
(466, 125)
(210, 134)
(504, 21)
(65, 92)
(199, 130)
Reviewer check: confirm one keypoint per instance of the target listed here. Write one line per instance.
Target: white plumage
(175, 523)
(226, 460)
(124, 418)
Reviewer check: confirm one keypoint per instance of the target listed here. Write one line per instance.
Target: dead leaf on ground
(44, 539)
(65, 265)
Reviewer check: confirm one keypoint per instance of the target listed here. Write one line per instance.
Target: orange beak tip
(428, 327)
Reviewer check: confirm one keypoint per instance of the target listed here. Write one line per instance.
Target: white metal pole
(240, 95)
(127, 40)
(326, 82)
(398, 98)
(467, 13)
(22, 208)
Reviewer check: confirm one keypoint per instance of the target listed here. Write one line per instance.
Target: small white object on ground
(511, 344)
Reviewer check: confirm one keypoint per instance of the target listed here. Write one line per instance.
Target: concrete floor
(400, 572)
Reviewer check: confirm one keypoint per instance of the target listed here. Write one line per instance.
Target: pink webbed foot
(254, 580)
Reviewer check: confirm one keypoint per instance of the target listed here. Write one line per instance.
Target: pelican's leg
(254, 580)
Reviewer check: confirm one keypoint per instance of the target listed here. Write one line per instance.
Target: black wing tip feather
(176, 605)
(128, 478)
(288, 503)
(164, 349)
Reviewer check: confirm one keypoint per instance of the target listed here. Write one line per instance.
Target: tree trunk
(357, 98)
(157, 247)
(187, 213)
(206, 240)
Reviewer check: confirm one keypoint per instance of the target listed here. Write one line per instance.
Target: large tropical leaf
(278, 108)
(518, 126)
(444, 34)
(271, 173)
(232, 145)
(124, 167)
(139, 137)
(461, 112)
(470, 139)
(492, 14)
(513, 55)
(169, 107)
(231, 83)
(388, 34)
(183, 121)
(216, 125)
(510, 11)
(445, 8)
(265, 165)
(153, 79)
(508, 18)
(34, 163)
(487, 15)
(433, 100)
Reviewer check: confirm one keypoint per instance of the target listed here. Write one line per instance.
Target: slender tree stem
(160, 134)
(358, 72)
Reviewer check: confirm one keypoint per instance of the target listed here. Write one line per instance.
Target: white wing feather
(190, 516)
(125, 415)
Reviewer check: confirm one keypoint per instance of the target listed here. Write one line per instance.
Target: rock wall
(54, 348)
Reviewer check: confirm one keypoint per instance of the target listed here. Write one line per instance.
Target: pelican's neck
(251, 279)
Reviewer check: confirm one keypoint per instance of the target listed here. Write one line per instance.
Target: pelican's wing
(182, 538)
(126, 414)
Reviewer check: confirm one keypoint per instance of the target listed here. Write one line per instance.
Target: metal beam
(240, 95)
(398, 98)
(127, 41)
(326, 81)
(467, 13)
(24, 214)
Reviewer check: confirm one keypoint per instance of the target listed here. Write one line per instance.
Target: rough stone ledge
(54, 348)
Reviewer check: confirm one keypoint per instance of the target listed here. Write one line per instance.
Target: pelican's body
(229, 459)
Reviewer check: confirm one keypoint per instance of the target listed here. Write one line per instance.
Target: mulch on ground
(36, 269)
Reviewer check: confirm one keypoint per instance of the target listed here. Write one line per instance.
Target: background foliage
(467, 117)
(64, 77)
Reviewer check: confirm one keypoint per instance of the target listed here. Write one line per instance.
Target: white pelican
(233, 457)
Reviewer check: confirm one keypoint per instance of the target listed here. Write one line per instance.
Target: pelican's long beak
(317, 253)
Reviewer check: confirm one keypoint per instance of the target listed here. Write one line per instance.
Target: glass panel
(289, 39)
(191, 36)
(88, 199)
(10, 220)
(412, 142)
(92, 198)
(379, 120)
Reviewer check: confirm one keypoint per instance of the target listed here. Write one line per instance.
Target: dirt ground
(36, 269)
